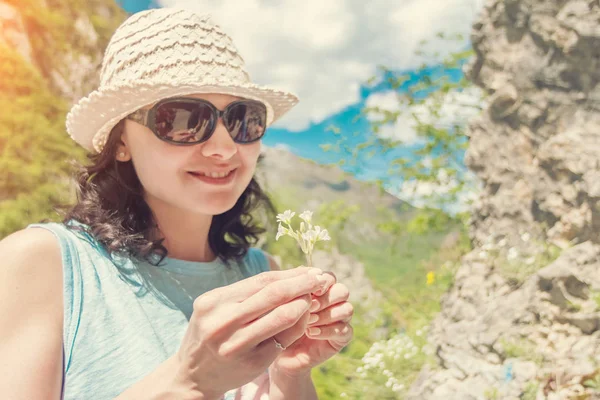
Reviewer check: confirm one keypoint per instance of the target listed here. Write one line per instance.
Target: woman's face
(164, 169)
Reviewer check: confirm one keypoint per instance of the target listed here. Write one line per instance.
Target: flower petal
(306, 216)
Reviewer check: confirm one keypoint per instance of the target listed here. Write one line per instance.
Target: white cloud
(385, 100)
(324, 49)
(420, 194)
(457, 107)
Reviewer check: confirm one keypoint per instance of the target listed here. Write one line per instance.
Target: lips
(207, 179)
(212, 174)
(202, 173)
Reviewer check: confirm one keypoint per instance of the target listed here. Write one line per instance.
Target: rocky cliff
(522, 320)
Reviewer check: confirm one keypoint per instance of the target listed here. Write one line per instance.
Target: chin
(215, 206)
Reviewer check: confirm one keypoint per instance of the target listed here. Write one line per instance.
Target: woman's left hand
(334, 314)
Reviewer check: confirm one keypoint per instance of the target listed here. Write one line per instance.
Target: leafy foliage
(33, 146)
(36, 154)
(436, 159)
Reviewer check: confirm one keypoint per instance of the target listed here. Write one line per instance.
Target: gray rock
(537, 151)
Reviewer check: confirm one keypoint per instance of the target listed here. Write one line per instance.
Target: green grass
(517, 271)
(530, 392)
(392, 261)
(521, 348)
(492, 394)
(596, 298)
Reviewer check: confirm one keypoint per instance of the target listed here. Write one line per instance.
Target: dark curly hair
(110, 202)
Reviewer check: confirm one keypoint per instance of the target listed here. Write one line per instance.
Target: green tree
(436, 161)
(34, 148)
(36, 153)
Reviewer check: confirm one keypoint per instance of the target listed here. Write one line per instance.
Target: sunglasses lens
(246, 121)
(183, 121)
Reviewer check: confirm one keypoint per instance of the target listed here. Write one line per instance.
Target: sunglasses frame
(146, 117)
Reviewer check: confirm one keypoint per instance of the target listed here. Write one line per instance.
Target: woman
(150, 287)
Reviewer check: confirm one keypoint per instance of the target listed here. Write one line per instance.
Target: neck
(186, 236)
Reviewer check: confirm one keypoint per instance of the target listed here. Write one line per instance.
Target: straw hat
(161, 53)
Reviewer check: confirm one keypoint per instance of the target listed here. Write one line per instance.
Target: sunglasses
(186, 121)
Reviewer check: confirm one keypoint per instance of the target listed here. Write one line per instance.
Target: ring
(278, 345)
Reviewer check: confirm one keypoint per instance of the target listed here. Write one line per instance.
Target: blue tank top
(123, 318)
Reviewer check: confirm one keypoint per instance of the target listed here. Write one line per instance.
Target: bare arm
(30, 316)
(31, 325)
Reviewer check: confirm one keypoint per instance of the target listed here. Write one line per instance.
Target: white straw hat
(161, 53)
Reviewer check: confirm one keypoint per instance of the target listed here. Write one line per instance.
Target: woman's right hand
(228, 342)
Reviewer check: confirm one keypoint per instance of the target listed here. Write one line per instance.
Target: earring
(121, 154)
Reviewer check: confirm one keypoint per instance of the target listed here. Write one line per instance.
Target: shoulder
(33, 253)
(30, 244)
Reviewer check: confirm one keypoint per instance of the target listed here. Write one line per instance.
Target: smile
(215, 177)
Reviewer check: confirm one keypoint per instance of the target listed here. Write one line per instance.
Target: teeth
(217, 174)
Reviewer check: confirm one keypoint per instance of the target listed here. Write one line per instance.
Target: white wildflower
(281, 231)
(309, 236)
(525, 237)
(306, 236)
(286, 216)
(322, 234)
(398, 387)
(512, 253)
(502, 242)
(306, 216)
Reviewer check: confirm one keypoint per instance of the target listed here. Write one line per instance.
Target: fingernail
(314, 331)
(315, 271)
(314, 305)
(313, 318)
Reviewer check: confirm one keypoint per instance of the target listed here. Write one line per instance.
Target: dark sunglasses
(187, 121)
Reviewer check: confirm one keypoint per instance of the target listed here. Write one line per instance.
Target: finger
(338, 332)
(280, 319)
(266, 352)
(276, 294)
(291, 335)
(331, 280)
(242, 290)
(338, 312)
(245, 288)
(338, 293)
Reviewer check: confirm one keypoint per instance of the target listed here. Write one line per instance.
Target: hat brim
(91, 119)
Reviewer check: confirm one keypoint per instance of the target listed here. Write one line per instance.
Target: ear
(122, 152)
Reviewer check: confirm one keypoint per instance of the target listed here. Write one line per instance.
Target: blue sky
(326, 51)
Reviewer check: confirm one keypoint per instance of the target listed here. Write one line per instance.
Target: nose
(220, 144)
